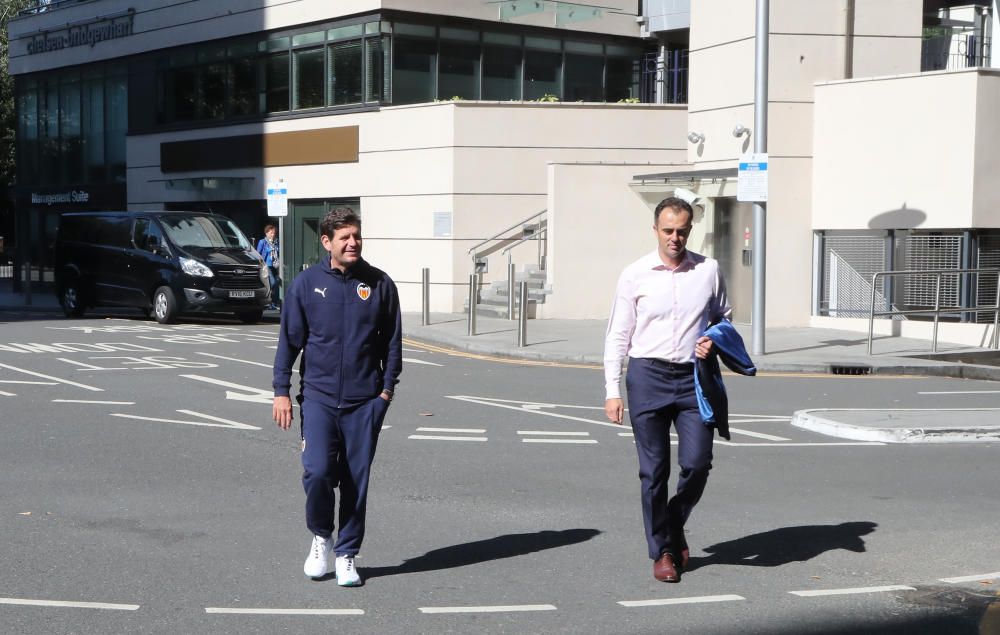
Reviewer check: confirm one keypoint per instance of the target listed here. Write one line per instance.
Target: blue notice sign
(751, 183)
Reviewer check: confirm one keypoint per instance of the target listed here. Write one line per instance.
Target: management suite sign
(83, 34)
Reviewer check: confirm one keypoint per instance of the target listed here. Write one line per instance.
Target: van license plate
(241, 294)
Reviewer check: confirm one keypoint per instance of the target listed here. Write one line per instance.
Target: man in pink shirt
(663, 304)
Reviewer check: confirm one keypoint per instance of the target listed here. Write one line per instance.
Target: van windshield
(193, 232)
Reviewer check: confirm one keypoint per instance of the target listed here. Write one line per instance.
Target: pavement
(788, 350)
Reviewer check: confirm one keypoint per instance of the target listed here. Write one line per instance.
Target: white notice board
(751, 184)
(277, 199)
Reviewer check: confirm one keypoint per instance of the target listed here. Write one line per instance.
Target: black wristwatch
(386, 391)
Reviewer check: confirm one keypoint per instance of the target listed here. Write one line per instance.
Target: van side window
(113, 231)
(143, 230)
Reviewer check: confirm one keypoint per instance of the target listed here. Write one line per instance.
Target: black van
(165, 263)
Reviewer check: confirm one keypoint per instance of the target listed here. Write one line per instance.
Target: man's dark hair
(337, 218)
(675, 204)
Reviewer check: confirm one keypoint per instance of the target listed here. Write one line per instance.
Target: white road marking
(626, 434)
(515, 608)
(30, 383)
(7, 394)
(410, 360)
(72, 605)
(960, 392)
(692, 600)
(428, 437)
(240, 611)
(468, 430)
(798, 445)
(555, 434)
(758, 435)
(973, 578)
(257, 395)
(565, 441)
(55, 379)
(486, 401)
(108, 403)
(223, 423)
(235, 359)
(865, 589)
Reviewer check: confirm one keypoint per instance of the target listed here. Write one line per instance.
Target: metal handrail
(497, 235)
(938, 309)
(535, 236)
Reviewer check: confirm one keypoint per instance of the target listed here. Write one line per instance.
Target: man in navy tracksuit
(343, 315)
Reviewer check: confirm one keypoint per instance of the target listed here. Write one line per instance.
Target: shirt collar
(654, 262)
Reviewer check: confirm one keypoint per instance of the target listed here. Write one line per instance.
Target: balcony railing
(43, 6)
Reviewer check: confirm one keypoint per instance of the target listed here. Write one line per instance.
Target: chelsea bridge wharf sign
(86, 34)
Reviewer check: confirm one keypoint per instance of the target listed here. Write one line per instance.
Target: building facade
(472, 135)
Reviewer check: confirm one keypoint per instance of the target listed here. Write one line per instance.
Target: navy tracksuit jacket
(348, 328)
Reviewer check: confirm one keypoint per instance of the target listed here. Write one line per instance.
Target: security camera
(696, 137)
(740, 130)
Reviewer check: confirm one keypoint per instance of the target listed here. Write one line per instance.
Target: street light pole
(760, 147)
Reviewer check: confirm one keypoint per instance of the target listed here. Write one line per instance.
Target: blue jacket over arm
(713, 403)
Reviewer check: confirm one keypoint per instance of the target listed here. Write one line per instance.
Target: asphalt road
(145, 485)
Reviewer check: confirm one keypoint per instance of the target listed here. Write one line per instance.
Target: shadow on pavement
(788, 544)
(507, 546)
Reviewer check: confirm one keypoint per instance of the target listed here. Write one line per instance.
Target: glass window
(542, 74)
(419, 30)
(116, 98)
(189, 232)
(307, 68)
(309, 38)
(275, 83)
(71, 139)
(212, 104)
(114, 231)
(414, 70)
(623, 78)
(377, 69)
(93, 130)
(459, 70)
(243, 88)
(344, 32)
(276, 44)
(143, 230)
(27, 130)
(371, 28)
(48, 130)
(584, 77)
(502, 71)
(346, 72)
(181, 88)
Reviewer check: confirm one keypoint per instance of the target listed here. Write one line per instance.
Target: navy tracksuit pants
(661, 394)
(338, 449)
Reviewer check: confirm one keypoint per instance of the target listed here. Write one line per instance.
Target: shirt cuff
(613, 391)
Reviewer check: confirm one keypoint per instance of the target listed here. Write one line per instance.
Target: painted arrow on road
(219, 421)
(255, 395)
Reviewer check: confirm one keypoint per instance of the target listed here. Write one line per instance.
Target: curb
(810, 420)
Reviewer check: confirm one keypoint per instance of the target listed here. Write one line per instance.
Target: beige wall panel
(569, 125)
(799, 61)
(789, 243)
(888, 17)
(721, 77)
(789, 130)
(522, 171)
(418, 126)
(424, 172)
(597, 226)
(715, 22)
(901, 148)
(876, 56)
(814, 16)
(986, 210)
(717, 126)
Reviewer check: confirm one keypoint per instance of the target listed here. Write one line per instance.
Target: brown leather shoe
(664, 570)
(685, 556)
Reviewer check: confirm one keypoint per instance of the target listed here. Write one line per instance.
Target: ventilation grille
(932, 252)
(849, 262)
(986, 289)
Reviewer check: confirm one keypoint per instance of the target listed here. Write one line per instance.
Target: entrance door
(733, 221)
(301, 242)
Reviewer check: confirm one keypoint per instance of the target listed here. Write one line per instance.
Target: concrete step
(489, 310)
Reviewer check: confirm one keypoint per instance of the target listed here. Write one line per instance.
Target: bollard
(473, 283)
(425, 296)
(27, 283)
(510, 290)
(522, 317)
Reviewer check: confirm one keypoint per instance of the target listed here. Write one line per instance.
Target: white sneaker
(316, 563)
(347, 575)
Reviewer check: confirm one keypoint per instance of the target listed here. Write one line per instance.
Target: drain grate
(850, 370)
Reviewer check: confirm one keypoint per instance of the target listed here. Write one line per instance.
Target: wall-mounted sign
(73, 196)
(277, 199)
(751, 182)
(85, 34)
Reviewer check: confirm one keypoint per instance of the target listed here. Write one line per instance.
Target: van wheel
(71, 300)
(250, 317)
(164, 306)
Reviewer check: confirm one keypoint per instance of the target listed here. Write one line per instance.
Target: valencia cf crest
(364, 291)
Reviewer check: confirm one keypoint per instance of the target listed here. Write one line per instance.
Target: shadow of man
(507, 546)
(788, 544)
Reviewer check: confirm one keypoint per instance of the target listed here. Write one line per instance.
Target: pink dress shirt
(661, 312)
